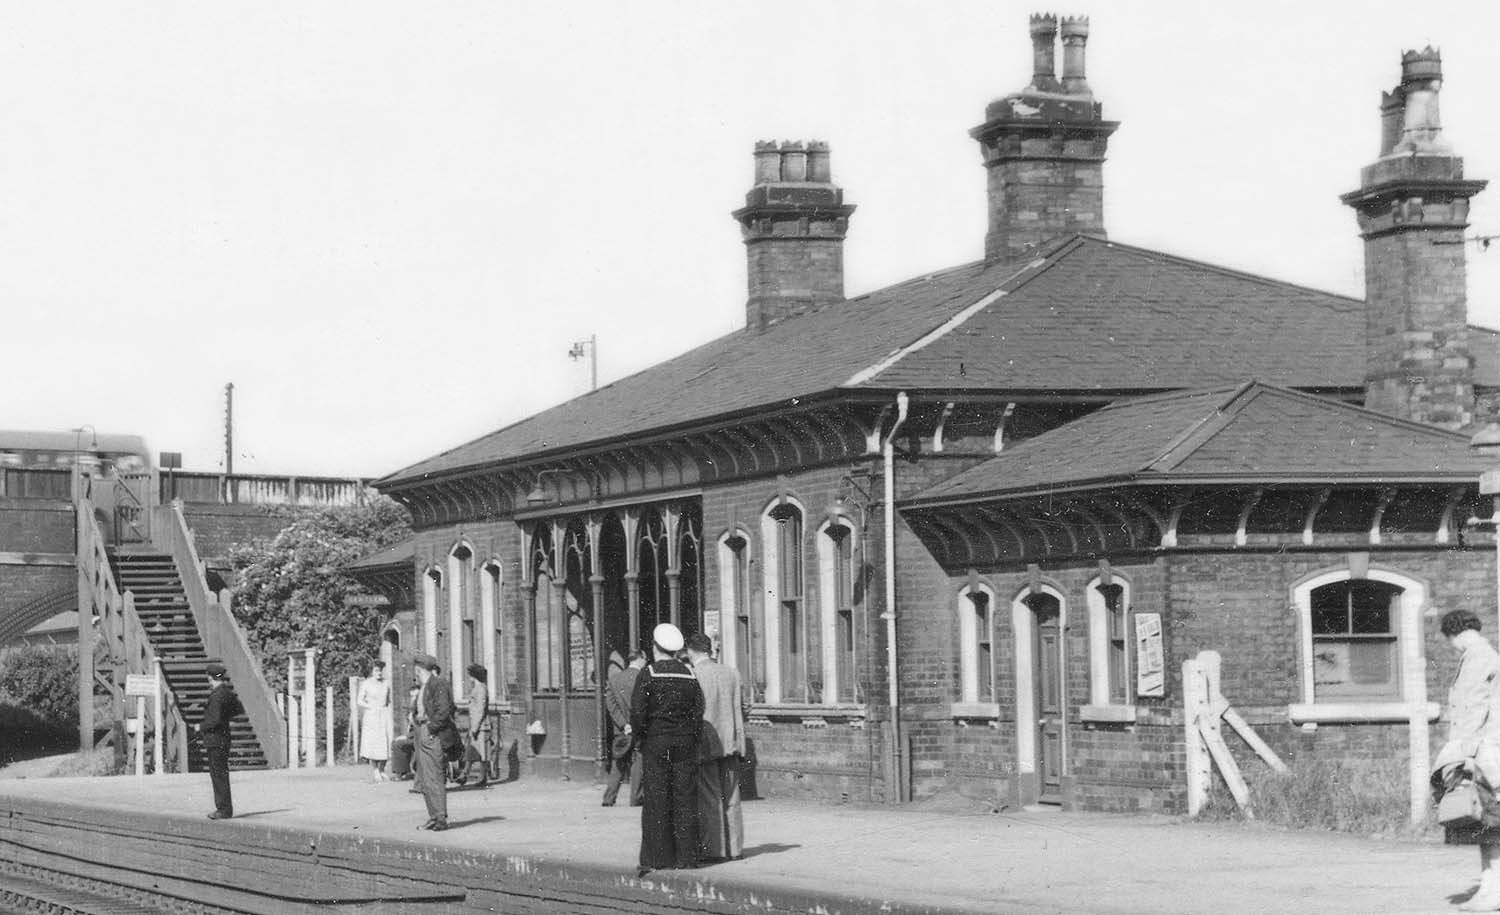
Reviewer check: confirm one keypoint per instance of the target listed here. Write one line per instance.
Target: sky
(387, 223)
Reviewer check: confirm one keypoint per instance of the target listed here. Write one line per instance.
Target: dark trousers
(669, 816)
(621, 768)
(402, 749)
(432, 774)
(218, 773)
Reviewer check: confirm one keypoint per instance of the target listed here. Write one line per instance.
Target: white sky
(387, 222)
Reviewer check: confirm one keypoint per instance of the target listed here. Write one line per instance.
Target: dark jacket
(437, 711)
(222, 706)
(667, 704)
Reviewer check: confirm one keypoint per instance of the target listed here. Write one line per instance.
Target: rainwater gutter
(887, 453)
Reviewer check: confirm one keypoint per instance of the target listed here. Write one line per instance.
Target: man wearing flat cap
(220, 709)
(666, 715)
(435, 733)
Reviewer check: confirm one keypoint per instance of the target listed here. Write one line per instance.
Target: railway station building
(960, 534)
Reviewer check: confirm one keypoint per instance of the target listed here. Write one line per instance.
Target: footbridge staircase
(140, 576)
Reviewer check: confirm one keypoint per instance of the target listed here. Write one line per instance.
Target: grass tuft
(1363, 797)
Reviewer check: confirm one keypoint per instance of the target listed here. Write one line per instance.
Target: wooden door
(1050, 703)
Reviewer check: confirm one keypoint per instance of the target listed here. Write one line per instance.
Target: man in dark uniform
(435, 733)
(221, 708)
(666, 715)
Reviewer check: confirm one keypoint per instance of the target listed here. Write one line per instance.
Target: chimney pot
(1044, 51)
(793, 161)
(819, 168)
(767, 162)
(1075, 38)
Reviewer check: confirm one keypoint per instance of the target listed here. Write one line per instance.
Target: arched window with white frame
(976, 640)
(785, 608)
(1362, 654)
(837, 594)
(737, 630)
(462, 642)
(1109, 640)
(489, 617)
(432, 586)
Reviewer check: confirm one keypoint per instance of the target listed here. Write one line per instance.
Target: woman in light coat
(375, 720)
(1473, 745)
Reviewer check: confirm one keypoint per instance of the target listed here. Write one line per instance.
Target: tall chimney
(1413, 207)
(1044, 149)
(793, 223)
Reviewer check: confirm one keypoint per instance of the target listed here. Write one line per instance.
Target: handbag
(1461, 807)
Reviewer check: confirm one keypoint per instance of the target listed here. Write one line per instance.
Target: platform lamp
(1487, 442)
(538, 495)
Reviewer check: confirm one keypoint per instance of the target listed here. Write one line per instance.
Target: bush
(44, 682)
(1366, 797)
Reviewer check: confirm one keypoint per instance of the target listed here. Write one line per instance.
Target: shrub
(1367, 797)
(44, 682)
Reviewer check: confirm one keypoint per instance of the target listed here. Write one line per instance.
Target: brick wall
(36, 526)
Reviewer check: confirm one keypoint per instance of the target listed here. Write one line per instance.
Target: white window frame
(432, 586)
(770, 538)
(729, 604)
(970, 705)
(1411, 604)
(491, 580)
(1102, 707)
(460, 579)
(827, 603)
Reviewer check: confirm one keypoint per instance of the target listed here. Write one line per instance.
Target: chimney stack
(1413, 207)
(793, 223)
(1044, 149)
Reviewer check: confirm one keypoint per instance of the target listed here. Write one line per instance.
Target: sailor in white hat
(666, 714)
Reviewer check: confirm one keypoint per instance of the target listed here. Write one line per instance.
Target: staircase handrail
(120, 628)
(139, 653)
(222, 636)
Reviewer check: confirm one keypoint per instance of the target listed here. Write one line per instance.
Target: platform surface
(966, 860)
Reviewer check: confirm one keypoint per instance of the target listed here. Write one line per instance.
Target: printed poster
(1150, 667)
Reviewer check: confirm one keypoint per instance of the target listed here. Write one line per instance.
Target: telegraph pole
(592, 348)
(229, 428)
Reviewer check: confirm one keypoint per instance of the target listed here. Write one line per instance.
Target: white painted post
(293, 748)
(140, 735)
(354, 721)
(328, 724)
(156, 745)
(310, 708)
(1194, 701)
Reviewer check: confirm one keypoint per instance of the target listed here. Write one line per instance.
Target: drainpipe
(887, 453)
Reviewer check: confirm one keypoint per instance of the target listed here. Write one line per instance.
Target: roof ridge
(1014, 281)
(1220, 269)
(1204, 429)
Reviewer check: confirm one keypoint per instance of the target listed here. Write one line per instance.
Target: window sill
(810, 714)
(1109, 714)
(1357, 712)
(973, 710)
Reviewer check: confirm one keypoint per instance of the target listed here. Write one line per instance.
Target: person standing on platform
(375, 720)
(721, 747)
(479, 707)
(617, 696)
(404, 748)
(221, 708)
(666, 715)
(435, 732)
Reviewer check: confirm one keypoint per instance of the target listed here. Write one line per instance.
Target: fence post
(328, 724)
(293, 747)
(1194, 702)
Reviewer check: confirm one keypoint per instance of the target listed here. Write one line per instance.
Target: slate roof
(400, 553)
(1251, 433)
(1084, 316)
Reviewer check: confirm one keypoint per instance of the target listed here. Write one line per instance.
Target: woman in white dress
(375, 720)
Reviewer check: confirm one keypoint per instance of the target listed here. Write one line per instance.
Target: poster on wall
(1149, 664)
(711, 624)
